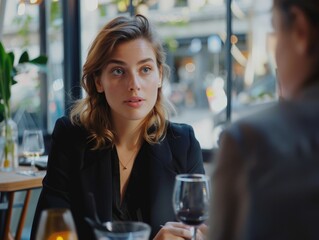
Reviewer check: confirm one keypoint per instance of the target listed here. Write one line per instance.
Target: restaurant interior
(221, 60)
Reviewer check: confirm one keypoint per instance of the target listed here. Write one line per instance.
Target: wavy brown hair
(93, 112)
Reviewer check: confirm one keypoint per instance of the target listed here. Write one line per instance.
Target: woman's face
(130, 80)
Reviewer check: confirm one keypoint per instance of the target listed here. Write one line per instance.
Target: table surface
(12, 181)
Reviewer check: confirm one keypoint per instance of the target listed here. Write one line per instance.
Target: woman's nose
(134, 83)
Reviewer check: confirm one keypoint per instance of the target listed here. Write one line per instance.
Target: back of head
(310, 9)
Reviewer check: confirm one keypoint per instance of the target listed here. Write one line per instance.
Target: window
(194, 34)
(21, 33)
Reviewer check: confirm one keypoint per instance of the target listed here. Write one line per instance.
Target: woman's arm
(55, 191)
(187, 152)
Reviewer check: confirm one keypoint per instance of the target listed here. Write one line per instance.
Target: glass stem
(194, 233)
(33, 168)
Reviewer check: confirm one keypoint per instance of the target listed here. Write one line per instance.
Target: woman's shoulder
(65, 123)
(179, 130)
(65, 127)
(184, 147)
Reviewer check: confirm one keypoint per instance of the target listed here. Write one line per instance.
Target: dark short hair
(309, 7)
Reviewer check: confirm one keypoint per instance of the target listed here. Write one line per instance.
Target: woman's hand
(202, 232)
(174, 230)
(177, 230)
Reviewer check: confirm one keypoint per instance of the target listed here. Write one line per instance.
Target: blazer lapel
(96, 177)
(162, 176)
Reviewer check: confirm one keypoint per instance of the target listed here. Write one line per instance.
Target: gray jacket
(266, 180)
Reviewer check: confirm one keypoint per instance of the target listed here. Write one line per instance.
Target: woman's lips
(134, 102)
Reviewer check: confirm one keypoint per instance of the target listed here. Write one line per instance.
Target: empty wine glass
(122, 230)
(56, 224)
(191, 199)
(33, 146)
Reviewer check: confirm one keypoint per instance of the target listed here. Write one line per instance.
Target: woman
(266, 182)
(118, 152)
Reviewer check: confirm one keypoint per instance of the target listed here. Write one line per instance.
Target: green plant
(7, 73)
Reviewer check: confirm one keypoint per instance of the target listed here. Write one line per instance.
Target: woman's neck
(128, 134)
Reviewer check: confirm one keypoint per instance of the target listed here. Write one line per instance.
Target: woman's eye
(146, 69)
(117, 71)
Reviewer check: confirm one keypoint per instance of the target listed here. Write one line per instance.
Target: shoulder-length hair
(93, 112)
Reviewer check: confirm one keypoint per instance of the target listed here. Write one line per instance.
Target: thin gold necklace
(132, 157)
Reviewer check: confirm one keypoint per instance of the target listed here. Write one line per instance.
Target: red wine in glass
(191, 199)
(192, 217)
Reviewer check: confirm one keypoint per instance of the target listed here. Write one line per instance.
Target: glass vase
(8, 145)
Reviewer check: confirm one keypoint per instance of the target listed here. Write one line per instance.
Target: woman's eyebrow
(119, 62)
(145, 60)
(115, 61)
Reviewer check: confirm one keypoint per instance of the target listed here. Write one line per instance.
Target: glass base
(29, 173)
(8, 169)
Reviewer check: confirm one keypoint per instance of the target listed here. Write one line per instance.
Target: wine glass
(56, 224)
(191, 199)
(122, 230)
(33, 146)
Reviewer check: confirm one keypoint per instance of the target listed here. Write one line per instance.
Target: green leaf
(24, 57)
(3, 71)
(1, 112)
(40, 60)
(13, 81)
(7, 79)
(11, 56)
(2, 55)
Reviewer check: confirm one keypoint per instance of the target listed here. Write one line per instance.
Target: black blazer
(74, 170)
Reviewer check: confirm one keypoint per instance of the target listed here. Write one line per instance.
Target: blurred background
(211, 83)
(194, 35)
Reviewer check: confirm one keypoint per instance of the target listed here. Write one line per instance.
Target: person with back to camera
(118, 145)
(266, 178)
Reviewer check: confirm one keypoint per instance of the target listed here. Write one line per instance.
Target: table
(11, 182)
